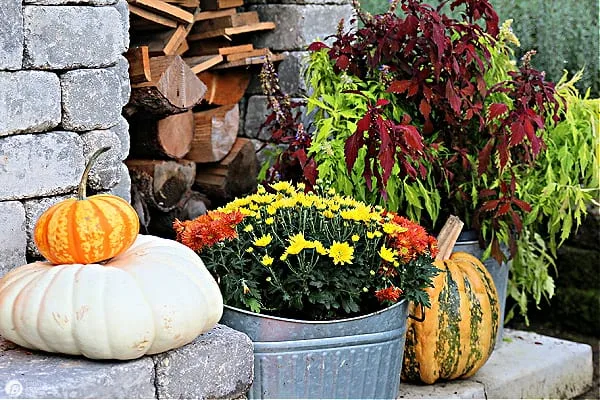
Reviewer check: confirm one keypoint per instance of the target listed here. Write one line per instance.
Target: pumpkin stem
(81, 195)
(448, 236)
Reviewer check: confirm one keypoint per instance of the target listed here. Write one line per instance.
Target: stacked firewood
(189, 68)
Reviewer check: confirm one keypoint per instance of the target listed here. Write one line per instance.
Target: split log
(225, 87)
(168, 137)
(165, 9)
(227, 21)
(220, 4)
(173, 89)
(215, 133)
(139, 65)
(161, 184)
(233, 176)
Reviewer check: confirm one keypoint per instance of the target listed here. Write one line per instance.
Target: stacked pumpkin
(458, 333)
(106, 292)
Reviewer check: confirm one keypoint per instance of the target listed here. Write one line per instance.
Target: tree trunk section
(215, 133)
(174, 88)
(225, 87)
(168, 137)
(161, 184)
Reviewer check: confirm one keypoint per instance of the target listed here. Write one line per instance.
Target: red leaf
(487, 193)
(490, 205)
(522, 205)
(316, 46)
(364, 123)
(453, 99)
(382, 103)
(497, 109)
(484, 156)
(413, 89)
(516, 221)
(353, 144)
(310, 171)
(517, 133)
(412, 137)
(342, 62)
(504, 208)
(425, 108)
(399, 87)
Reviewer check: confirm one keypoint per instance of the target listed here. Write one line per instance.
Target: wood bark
(233, 176)
(168, 137)
(215, 133)
(173, 88)
(161, 184)
(191, 205)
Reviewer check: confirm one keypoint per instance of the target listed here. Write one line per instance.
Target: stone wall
(299, 23)
(63, 83)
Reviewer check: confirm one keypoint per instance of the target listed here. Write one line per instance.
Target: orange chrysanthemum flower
(412, 240)
(390, 293)
(208, 229)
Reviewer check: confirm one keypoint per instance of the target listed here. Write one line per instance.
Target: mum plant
(421, 111)
(313, 256)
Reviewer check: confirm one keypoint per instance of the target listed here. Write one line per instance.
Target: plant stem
(81, 195)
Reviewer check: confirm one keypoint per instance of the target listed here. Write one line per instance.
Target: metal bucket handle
(419, 319)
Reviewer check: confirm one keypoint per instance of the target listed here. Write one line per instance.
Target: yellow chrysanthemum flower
(391, 228)
(271, 210)
(266, 260)
(283, 186)
(328, 214)
(320, 248)
(387, 254)
(250, 250)
(248, 228)
(355, 238)
(298, 243)
(370, 235)
(284, 256)
(342, 253)
(263, 240)
(269, 221)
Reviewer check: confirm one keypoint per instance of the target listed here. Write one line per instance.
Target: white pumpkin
(154, 297)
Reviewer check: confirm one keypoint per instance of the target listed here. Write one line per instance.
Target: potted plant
(321, 283)
(421, 112)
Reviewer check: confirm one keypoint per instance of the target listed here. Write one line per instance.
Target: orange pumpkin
(86, 230)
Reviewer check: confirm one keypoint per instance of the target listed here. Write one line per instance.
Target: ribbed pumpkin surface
(459, 331)
(86, 231)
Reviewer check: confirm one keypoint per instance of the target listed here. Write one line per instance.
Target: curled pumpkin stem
(81, 190)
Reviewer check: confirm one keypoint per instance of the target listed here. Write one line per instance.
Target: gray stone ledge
(123, 188)
(216, 365)
(69, 37)
(29, 102)
(37, 165)
(123, 9)
(527, 366)
(106, 172)
(12, 235)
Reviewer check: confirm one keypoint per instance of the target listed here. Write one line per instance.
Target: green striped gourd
(459, 331)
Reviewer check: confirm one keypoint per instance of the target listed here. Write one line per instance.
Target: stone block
(122, 131)
(123, 9)
(11, 35)
(29, 101)
(218, 364)
(70, 2)
(106, 172)
(256, 114)
(121, 71)
(40, 165)
(13, 239)
(41, 375)
(34, 209)
(299, 25)
(290, 72)
(71, 37)
(91, 99)
(123, 188)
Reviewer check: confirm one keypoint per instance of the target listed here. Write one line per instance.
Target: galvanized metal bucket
(351, 358)
(498, 271)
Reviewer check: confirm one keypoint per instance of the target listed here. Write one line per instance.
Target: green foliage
(565, 34)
